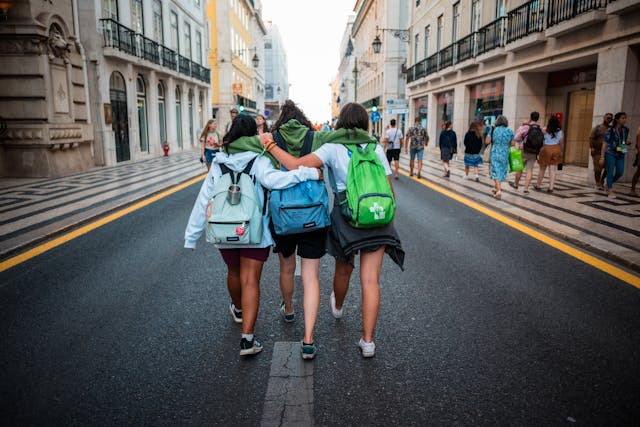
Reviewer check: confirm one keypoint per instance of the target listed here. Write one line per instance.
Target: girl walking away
(210, 141)
(472, 147)
(500, 139)
(244, 261)
(448, 146)
(614, 148)
(291, 129)
(261, 121)
(551, 153)
(345, 240)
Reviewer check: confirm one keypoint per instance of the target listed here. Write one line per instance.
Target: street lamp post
(355, 81)
(396, 32)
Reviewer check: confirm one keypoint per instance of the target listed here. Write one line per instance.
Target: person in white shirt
(244, 262)
(345, 241)
(392, 145)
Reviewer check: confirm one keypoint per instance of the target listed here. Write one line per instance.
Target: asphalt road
(485, 326)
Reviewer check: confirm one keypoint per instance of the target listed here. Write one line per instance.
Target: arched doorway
(178, 117)
(162, 114)
(119, 116)
(142, 114)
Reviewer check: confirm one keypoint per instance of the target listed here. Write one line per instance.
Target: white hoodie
(266, 177)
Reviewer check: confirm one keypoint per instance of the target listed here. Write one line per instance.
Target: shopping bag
(515, 160)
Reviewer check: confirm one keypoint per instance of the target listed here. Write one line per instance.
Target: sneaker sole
(307, 356)
(367, 354)
(235, 319)
(250, 351)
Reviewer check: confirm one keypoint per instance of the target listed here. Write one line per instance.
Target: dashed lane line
(40, 249)
(601, 265)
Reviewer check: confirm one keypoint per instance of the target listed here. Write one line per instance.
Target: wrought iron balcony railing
(524, 20)
(126, 40)
(563, 10)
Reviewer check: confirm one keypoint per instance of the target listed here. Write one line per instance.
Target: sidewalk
(34, 210)
(575, 211)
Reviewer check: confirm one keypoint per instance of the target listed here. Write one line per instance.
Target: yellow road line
(18, 259)
(612, 270)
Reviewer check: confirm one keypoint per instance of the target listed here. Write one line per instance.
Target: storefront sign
(492, 89)
(572, 77)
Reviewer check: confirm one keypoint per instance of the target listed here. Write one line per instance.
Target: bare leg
(287, 271)
(634, 180)
(541, 173)
(552, 176)
(250, 272)
(517, 178)
(370, 265)
(466, 170)
(341, 282)
(233, 286)
(311, 298)
(411, 167)
(420, 168)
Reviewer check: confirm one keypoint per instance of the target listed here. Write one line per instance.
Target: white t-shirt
(394, 135)
(337, 156)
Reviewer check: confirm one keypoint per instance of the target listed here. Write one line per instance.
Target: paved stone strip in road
(289, 399)
(35, 210)
(574, 211)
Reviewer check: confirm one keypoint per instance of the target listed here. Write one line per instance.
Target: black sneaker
(308, 351)
(249, 347)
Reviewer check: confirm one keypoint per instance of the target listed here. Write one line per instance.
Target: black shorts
(312, 245)
(393, 154)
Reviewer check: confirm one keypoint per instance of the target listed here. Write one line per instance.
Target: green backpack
(369, 201)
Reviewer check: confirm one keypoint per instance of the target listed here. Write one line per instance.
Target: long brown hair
(477, 128)
(205, 131)
(291, 111)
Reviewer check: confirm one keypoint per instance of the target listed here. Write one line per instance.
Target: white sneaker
(336, 313)
(368, 348)
(465, 177)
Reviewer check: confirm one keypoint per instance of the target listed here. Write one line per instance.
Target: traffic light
(241, 108)
(374, 108)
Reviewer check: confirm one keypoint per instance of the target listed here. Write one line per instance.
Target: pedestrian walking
(448, 143)
(551, 153)
(595, 144)
(345, 241)
(500, 140)
(292, 128)
(528, 132)
(244, 262)
(614, 149)
(233, 112)
(418, 141)
(393, 141)
(634, 180)
(210, 142)
(472, 147)
(261, 121)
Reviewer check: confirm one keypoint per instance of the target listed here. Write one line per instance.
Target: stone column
(153, 118)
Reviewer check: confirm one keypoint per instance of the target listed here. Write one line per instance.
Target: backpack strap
(307, 144)
(279, 140)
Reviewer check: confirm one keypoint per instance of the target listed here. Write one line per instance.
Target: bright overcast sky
(311, 32)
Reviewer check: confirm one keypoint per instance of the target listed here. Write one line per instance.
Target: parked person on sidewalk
(261, 121)
(394, 137)
(551, 153)
(528, 158)
(500, 140)
(448, 143)
(345, 241)
(472, 146)
(418, 140)
(292, 126)
(634, 180)
(210, 142)
(614, 149)
(595, 143)
(244, 262)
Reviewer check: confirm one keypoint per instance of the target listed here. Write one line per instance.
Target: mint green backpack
(369, 200)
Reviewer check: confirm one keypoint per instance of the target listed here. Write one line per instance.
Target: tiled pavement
(31, 211)
(575, 211)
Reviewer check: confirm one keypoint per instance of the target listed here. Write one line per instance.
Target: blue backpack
(303, 207)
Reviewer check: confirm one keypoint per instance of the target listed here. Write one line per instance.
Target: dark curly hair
(290, 111)
(353, 116)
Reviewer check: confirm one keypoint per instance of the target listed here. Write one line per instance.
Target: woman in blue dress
(501, 139)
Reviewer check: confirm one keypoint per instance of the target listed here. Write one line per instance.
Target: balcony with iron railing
(527, 19)
(124, 39)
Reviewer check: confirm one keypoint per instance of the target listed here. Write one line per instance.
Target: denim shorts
(416, 152)
(209, 155)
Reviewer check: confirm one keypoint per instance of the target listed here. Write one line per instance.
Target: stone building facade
(475, 59)
(46, 123)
